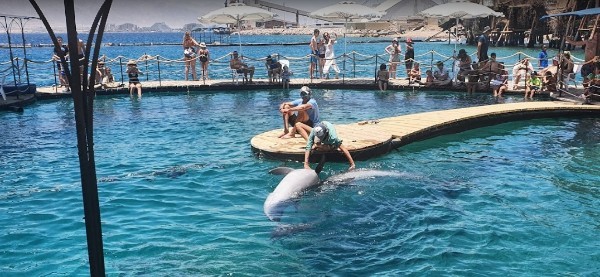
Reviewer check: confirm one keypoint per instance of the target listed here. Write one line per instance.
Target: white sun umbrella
(348, 10)
(459, 9)
(235, 13)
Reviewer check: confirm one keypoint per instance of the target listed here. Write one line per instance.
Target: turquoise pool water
(181, 192)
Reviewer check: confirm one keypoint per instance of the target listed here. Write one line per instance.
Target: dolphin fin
(281, 170)
(320, 165)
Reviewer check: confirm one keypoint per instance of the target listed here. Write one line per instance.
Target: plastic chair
(571, 77)
(235, 76)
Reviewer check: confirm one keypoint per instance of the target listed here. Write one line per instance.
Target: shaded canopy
(348, 10)
(459, 9)
(236, 12)
(580, 13)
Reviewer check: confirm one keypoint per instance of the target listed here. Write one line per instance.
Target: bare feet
(284, 133)
(288, 136)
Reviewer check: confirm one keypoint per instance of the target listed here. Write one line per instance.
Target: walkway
(372, 138)
(228, 84)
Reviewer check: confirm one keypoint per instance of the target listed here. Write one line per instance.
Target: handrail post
(376, 66)
(26, 71)
(121, 65)
(158, 65)
(354, 63)
(431, 61)
(18, 69)
(146, 62)
(55, 81)
(344, 75)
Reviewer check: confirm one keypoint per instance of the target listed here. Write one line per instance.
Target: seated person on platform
(521, 70)
(383, 76)
(100, 73)
(489, 69)
(472, 78)
(534, 84)
(286, 73)
(593, 84)
(429, 79)
(108, 81)
(415, 74)
(464, 64)
(273, 68)
(500, 83)
(549, 82)
(324, 138)
(304, 120)
(240, 67)
(552, 69)
(441, 75)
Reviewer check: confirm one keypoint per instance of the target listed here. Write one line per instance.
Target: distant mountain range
(160, 27)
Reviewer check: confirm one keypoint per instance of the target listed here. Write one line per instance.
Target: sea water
(181, 192)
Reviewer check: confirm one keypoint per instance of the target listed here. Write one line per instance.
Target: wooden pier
(374, 137)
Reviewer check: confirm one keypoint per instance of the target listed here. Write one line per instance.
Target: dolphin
(297, 181)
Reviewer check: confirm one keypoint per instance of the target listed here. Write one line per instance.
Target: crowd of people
(485, 72)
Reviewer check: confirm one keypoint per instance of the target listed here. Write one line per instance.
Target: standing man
(307, 115)
(314, 53)
(591, 49)
(543, 58)
(483, 42)
(62, 73)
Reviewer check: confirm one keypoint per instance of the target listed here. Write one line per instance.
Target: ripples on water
(182, 194)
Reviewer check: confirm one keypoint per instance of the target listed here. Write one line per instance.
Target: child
(499, 83)
(285, 77)
(428, 78)
(415, 74)
(533, 85)
(383, 77)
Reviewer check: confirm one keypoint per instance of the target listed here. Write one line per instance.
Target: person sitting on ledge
(383, 76)
(324, 138)
(441, 75)
(415, 74)
(429, 79)
(307, 115)
(240, 67)
(273, 68)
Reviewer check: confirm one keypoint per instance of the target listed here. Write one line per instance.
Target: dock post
(121, 65)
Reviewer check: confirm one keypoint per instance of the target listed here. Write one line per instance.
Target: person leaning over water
(307, 115)
(324, 138)
(134, 82)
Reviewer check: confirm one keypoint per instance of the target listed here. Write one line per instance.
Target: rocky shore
(417, 35)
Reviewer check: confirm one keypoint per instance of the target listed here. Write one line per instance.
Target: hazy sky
(175, 13)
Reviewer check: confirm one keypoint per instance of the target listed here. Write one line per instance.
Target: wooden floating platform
(228, 84)
(378, 137)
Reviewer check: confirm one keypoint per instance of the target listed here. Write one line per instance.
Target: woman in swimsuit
(394, 51)
(189, 55)
(134, 81)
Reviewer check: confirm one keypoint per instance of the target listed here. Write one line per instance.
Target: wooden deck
(378, 137)
(228, 84)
